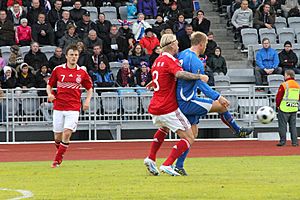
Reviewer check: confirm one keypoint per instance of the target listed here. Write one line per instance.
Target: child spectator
(143, 76)
(42, 77)
(125, 77)
(103, 77)
(217, 63)
(138, 55)
(8, 78)
(23, 33)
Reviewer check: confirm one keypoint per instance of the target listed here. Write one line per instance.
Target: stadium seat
(268, 33)
(297, 33)
(223, 82)
(30, 103)
(130, 102)
(109, 11)
(249, 36)
(48, 50)
(274, 80)
(93, 11)
(123, 12)
(94, 104)
(280, 22)
(5, 52)
(114, 68)
(145, 100)
(296, 49)
(294, 22)
(297, 78)
(12, 105)
(286, 34)
(110, 102)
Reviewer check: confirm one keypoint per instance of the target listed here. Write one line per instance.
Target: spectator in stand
(15, 57)
(167, 30)
(184, 41)
(55, 13)
(254, 4)
(186, 6)
(42, 76)
(155, 53)
(34, 11)
(149, 41)
(8, 78)
(148, 8)
(91, 41)
(62, 24)
(85, 25)
(26, 79)
(158, 26)
(126, 32)
(211, 45)
(143, 76)
(118, 45)
(267, 62)
(276, 6)
(42, 32)
(84, 57)
(77, 12)
(179, 25)
(200, 23)
(7, 32)
(137, 56)
(172, 14)
(70, 37)
(58, 58)
(164, 7)
(125, 77)
(97, 58)
(23, 33)
(289, 4)
(131, 9)
(139, 27)
(2, 61)
(102, 77)
(217, 63)
(102, 26)
(263, 17)
(35, 58)
(16, 13)
(242, 18)
(288, 59)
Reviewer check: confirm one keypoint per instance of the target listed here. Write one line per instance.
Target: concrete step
(241, 64)
(206, 7)
(225, 45)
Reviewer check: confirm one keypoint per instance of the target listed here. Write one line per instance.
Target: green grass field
(231, 178)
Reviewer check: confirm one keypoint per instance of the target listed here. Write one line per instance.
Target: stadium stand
(268, 33)
(274, 80)
(109, 11)
(123, 12)
(294, 22)
(286, 34)
(280, 22)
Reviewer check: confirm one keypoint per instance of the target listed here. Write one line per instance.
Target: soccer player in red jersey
(68, 78)
(164, 108)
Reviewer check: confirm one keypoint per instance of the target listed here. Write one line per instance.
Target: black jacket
(204, 26)
(85, 59)
(61, 27)
(36, 60)
(29, 81)
(184, 42)
(217, 64)
(48, 39)
(103, 28)
(76, 14)
(32, 15)
(287, 59)
(186, 6)
(210, 48)
(7, 32)
(54, 16)
(89, 44)
(55, 61)
(83, 29)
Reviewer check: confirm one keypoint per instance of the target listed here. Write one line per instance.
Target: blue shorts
(195, 108)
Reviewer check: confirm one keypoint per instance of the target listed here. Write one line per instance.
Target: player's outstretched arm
(87, 101)
(190, 76)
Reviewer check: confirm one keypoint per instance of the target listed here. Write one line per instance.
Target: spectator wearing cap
(77, 12)
(55, 13)
(58, 58)
(34, 11)
(200, 23)
(8, 78)
(172, 14)
(15, 13)
(137, 56)
(158, 26)
(126, 32)
(184, 41)
(102, 26)
(23, 33)
(118, 45)
(186, 6)
(70, 37)
(288, 59)
(7, 32)
(102, 77)
(15, 57)
(179, 25)
(143, 76)
(26, 80)
(149, 41)
(61, 25)
(139, 27)
(91, 41)
(42, 32)
(85, 25)
(148, 8)
(125, 77)
(35, 58)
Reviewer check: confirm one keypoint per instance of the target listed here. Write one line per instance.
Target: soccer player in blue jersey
(194, 107)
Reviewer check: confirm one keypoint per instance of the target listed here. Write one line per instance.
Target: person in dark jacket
(138, 55)
(35, 58)
(118, 45)
(126, 32)
(288, 59)
(179, 25)
(97, 57)
(8, 78)
(16, 13)
(102, 26)
(70, 37)
(103, 77)
(186, 6)
(61, 25)
(211, 45)
(25, 79)
(158, 26)
(77, 12)
(7, 32)
(148, 8)
(155, 53)
(217, 63)
(85, 25)
(58, 58)
(184, 41)
(164, 7)
(42, 32)
(125, 77)
(200, 23)
(84, 57)
(34, 11)
(143, 76)
(264, 17)
(55, 13)
(42, 76)
(172, 14)
(91, 41)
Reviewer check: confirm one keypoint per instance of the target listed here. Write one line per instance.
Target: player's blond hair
(198, 38)
(166, 40)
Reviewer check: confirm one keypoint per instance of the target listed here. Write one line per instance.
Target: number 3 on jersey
(155, 80)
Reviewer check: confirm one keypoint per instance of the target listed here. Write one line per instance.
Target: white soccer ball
(265, 114)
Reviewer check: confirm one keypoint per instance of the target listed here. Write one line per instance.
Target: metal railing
(117, 109)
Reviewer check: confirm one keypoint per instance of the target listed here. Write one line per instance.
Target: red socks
(177, 150)
(57, 143)
(158, 139)
(60, 152)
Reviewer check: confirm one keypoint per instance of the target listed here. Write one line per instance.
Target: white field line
(25, 193)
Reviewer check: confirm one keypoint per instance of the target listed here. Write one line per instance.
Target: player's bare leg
(64, 144)
(57, 139)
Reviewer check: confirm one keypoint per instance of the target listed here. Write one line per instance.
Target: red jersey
(164, 82)
(68, 82)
